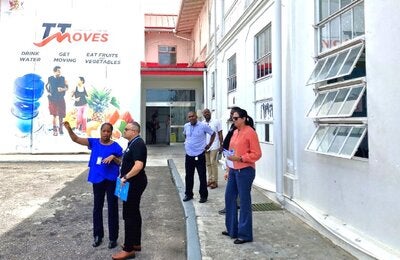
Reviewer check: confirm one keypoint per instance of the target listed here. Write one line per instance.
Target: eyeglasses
(128, 129)
(234, 118)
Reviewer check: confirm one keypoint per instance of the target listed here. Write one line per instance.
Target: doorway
(164, 122)
(166, 112)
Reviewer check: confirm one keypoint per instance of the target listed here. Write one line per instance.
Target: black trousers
(131, 212)
(199, 163)
(100, 190)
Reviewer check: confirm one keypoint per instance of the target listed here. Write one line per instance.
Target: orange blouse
(244, 143)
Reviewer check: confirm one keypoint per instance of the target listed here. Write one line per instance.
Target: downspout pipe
(277, 101)
(215, 81)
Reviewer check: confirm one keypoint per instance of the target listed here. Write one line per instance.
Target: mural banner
(66, 61)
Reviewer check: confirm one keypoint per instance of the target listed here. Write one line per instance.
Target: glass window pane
(326, 142)
(232, 66)
(163, 48)
(346, 21)
(358, 14)
(167, 95)
(339, 139)
(351, 59)
(267, 134)
(334, 6)
(335, 32)
(323, 9)
(319, 135)
(344, 3)
(316, 71)
(326, 68)
(261, 47)
(337, 65)
(351, 144)
(324, 36)
(317, 104)
(268, 40)
(349, 104)
(341, 96)
(327, 103)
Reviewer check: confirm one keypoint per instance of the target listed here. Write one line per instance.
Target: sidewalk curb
(192, 235)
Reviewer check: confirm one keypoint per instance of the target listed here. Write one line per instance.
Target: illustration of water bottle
(28, 89)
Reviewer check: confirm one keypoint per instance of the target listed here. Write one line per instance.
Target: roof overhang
(188, 15)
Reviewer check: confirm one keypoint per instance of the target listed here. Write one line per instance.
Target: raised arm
(74, 137)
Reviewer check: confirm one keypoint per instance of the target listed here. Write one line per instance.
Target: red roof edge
(144, 64)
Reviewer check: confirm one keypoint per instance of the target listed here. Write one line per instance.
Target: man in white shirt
(212, 152)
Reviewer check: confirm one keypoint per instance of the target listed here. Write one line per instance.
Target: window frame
(324, 94)
(338, 133)
(212, 78)
(263, 58)
(335, 17)
(232, 69)
(330, 61)
(169, 53)
(261, 131)
(330, 129)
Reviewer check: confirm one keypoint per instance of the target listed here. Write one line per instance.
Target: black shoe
(240, 241)
(97, 241)
(202, 200)
(225, 233)
(222, 211)
(112, 244)
(186, 198)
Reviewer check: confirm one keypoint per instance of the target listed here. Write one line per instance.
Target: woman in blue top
(103, 172)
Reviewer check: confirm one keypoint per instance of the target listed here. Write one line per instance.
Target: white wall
(361, 194)
(357, 198)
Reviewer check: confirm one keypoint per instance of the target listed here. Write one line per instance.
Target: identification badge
(196, 158)
(99, 159)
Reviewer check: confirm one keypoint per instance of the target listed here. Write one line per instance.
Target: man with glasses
(195, 133)
(132, 171)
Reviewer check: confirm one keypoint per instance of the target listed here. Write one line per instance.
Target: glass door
(178, 120)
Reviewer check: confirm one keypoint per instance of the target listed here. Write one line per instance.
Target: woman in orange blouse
(246, 150)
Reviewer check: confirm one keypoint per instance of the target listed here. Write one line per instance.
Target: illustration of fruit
(126, 116)
(91, 128)
(71, 118)
(116, 134)
(113, 117)
(120, 125)
(99, 100)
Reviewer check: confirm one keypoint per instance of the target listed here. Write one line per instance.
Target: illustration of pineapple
(99, 100)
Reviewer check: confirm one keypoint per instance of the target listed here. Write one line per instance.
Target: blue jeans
(239, 185)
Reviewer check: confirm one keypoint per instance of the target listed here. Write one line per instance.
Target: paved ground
(46, 214)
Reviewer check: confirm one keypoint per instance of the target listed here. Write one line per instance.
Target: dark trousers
(131, 212)
(100, 190)
(199, 163)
